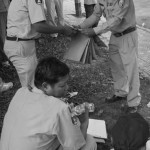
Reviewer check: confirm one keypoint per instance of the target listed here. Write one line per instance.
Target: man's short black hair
(50, 70)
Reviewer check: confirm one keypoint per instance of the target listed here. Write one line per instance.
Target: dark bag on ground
(130, 132)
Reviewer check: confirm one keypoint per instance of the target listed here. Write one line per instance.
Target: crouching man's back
(37, 119)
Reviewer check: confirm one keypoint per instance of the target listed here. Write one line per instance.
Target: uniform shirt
(119, 14)
(89, 2)
(35, 121)
(4, 4)
(21, 15)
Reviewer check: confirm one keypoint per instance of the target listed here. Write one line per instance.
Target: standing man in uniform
(26, 19)
(123, 47)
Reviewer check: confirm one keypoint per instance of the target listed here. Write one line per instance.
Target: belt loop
(17, 39)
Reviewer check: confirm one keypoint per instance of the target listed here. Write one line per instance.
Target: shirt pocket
(132, 40)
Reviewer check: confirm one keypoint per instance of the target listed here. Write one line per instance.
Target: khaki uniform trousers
(90, 144)
(124, 67)
(23, 56)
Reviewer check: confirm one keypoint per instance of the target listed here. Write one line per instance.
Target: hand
(76, 27)
(68, 31)
(88, 32)
(84, 117)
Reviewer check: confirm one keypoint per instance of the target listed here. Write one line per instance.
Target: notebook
(97, 128)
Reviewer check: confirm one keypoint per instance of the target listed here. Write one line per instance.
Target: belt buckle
(119, 34)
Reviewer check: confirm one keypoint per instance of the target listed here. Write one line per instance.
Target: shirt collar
(36, 90)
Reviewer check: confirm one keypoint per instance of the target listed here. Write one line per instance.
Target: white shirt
(21, 15)
(119, 14)
(35, 121)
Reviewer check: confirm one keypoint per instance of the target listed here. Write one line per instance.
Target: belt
(130, 29)
(16, 39)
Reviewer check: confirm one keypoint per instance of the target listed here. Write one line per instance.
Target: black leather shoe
(115, 99)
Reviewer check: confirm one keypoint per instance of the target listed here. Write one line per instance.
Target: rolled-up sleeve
(95, 17)
(68, 134)
(118, 13)
(36, 11)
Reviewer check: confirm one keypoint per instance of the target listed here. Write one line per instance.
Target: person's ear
(46, 87)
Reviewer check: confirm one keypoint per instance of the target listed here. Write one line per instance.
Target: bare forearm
(44, 27)
(89, 22)
(107, 26)
(84, 127)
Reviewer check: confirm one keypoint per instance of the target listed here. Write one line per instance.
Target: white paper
(97, 128)
(73, 94)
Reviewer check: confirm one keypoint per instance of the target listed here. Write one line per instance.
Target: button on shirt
(35, 121)
(21, 15)
(4, 4)
(119, 14)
